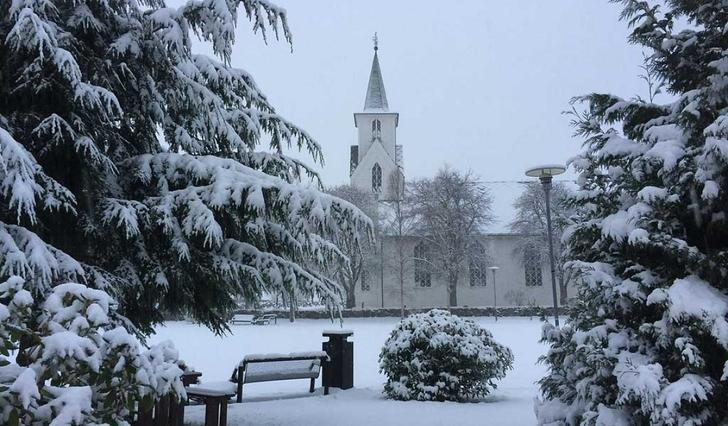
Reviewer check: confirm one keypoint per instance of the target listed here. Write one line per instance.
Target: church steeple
(376, 159)
(376, 99)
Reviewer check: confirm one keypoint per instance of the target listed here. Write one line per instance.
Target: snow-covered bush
(437, 356)
(647, 339)
(75, 361)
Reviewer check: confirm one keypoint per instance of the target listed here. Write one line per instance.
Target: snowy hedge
(437, 356)
(75, 362)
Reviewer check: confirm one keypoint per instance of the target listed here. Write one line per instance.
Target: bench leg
(223, 413)
(326, 390)
(240, 385)
(313, 384)
(212, 412)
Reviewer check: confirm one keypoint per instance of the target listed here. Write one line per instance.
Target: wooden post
(223, 412)
(161, 412)
(241, 369)
(212, 412)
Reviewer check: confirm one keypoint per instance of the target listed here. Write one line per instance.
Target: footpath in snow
(288, 403)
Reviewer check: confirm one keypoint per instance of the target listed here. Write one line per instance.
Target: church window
(477, 268)
(532, 266)
(376, 129)
(363, 279)
(423, 278)
(376, 178)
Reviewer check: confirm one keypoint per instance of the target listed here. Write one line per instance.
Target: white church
(375, 161)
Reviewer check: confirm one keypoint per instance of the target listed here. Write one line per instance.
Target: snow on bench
(242, 319)
(264, 319)
(257, 368)
(284, 357)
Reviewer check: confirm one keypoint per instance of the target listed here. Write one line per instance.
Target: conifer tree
(133, 164)
(647, 342)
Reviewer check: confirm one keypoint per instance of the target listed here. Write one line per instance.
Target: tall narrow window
(364, 282)
(376, 129)
(477, 267)
(376, 178)
(532, 266)
(423, 277)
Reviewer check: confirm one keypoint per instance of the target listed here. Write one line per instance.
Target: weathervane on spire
(375, 39)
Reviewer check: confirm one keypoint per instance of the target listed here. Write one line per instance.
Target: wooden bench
(266, 319)
(273, 367)
(248, 319)
(242, 319)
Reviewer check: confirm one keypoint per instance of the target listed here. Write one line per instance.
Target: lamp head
(545, 171)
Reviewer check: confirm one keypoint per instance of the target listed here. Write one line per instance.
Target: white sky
(478, 84)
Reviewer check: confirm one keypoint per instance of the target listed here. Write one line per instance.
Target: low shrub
(437, 356)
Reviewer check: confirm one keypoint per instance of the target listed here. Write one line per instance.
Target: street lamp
(495, 300)
(545, 174)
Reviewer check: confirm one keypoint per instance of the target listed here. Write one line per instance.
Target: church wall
(362, 176)
(500, 249)
(387, 134)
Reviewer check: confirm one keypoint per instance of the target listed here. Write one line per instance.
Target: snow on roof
(376, 99)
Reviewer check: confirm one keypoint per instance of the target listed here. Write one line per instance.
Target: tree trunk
(401, 292)
(351, 296)
(563, 290)
(292, 309)
(288, 300)
(453, 288)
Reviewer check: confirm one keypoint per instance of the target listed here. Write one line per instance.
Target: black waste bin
(338, 372)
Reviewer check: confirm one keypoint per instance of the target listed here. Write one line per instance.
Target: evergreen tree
(132, 164)
(647, 342)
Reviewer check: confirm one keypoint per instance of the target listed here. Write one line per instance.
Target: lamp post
(495, 299)
(545, 174)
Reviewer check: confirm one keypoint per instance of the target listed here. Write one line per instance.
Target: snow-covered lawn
(289, 403)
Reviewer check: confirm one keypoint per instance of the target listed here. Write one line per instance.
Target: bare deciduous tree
(530, 225)
(450, 211)
(396, 222)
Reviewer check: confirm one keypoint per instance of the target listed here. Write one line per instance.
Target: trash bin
(338, 372)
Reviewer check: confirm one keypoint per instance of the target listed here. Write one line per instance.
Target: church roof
(376, 99)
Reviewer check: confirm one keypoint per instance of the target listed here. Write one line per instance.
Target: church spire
(376, 96)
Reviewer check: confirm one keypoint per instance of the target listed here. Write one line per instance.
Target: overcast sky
(478, 84)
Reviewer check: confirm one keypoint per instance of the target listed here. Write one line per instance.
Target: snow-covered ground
(289, 403)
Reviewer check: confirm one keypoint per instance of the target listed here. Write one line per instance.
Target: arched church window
(532, 266)
(376, 129)
(376, 178)
(477, 267)
(423, 278)
(364, 282)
